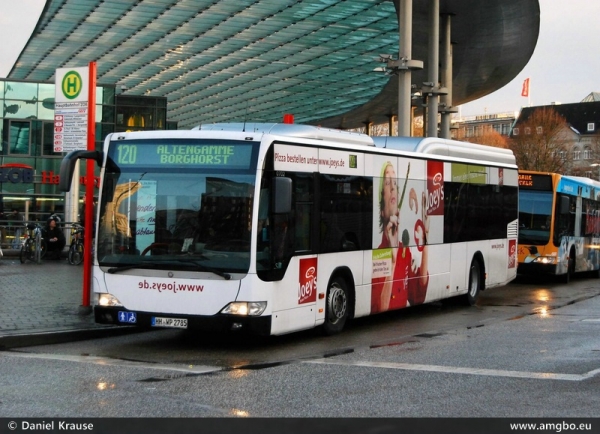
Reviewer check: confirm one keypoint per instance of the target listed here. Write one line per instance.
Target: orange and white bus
(559, 224)
(275, 228)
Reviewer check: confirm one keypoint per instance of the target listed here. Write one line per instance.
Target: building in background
(579, 138)
(29, 167)
(471, 127)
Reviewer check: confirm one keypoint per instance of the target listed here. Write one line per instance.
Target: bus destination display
(528, 181)
(199, 155)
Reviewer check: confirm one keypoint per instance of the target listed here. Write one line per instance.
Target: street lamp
(402, 67)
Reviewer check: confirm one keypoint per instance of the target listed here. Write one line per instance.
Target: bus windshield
(535, 215)
(191, 210)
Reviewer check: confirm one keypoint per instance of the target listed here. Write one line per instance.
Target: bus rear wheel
(474, 283)
(336, 306)
(570, 267)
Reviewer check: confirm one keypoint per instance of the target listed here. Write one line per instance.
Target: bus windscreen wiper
(203, 267)
(119, 268)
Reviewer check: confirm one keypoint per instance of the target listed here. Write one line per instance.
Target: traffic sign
(71, 109)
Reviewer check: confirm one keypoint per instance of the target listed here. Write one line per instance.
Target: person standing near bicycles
(3, 223)
(82, 215)
(16, 222)
(54, 237)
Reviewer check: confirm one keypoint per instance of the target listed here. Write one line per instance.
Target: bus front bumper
(536, 268)
(260, 325)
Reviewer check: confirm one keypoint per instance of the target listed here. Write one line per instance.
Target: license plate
(180, 323)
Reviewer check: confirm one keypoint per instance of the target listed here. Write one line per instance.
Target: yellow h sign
(71, 84)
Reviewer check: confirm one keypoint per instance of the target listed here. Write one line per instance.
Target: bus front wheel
(336, 307)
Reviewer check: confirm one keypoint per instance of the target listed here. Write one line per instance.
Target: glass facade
(29, 167)
(139, 113)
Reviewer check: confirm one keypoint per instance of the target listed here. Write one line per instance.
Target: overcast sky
(564, 68)
(565, 65)
(17, 20)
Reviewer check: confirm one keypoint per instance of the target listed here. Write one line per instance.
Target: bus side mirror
(565, 205)
(67, 166)
(282, 195)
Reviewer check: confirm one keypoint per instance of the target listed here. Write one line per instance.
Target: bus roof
(293, 130)
(423, 145)
(578, 186)
(584, 180)
(445, 147)
(568, 184)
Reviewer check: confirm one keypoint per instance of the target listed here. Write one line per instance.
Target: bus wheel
(570, 267)
(336, 307)
(474, 283)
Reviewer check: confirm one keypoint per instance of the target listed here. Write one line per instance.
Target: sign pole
(89, 188)
(75, 129)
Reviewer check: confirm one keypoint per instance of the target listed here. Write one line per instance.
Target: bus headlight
(545, 260)
(245, 308)
(108, 300)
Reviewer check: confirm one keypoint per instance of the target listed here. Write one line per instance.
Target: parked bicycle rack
(9, 234)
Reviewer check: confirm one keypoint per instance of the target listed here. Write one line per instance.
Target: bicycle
(29, 249)
(76, 248)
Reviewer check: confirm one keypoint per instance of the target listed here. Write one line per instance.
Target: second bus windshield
(535, 215)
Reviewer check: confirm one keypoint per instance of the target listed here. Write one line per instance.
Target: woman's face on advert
(390, 192)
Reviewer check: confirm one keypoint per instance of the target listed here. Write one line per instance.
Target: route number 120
(126, 154)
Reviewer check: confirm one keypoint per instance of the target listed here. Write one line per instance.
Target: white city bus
(274, 228)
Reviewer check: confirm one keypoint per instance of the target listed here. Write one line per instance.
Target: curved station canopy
(236, 60)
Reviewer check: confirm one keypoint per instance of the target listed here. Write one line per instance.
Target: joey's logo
(512, 253)
(307, 288)
(435, 188)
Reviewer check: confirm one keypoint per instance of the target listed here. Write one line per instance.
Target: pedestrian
(82, 216)
(55, 239)
(2, 229)
(16, 224)
(3, 224)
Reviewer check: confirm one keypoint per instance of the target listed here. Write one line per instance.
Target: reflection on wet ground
(408, 328)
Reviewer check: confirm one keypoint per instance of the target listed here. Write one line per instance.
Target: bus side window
(282, 239)
(263, 216)
(303, 226)
(565, 219)
(303, 206)
(332, 238)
